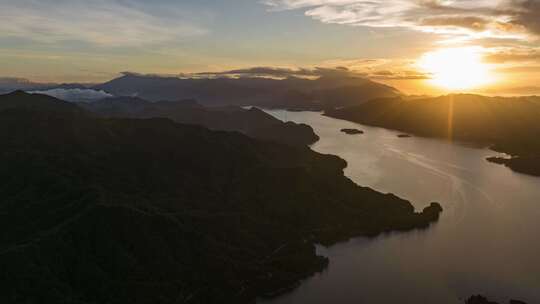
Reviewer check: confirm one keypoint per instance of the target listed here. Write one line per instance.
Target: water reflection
(485, 242)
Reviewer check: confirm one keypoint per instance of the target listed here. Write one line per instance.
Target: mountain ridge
(504, 124)
(252, 122)
(102, 210)
(290, 92)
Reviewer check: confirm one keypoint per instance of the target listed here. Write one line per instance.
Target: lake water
(487, 241)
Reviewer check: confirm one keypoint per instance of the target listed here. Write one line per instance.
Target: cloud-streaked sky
(93, 40)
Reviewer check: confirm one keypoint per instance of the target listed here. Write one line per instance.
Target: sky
(386, 40)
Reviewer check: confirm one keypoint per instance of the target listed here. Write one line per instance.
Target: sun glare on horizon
(456, 68)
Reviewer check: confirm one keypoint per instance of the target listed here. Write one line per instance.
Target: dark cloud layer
(495, 18)
(514, 55)
(337, 72)
(285, 72)
(469, 22)
(527, 15)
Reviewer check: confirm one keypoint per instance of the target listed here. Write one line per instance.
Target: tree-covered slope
(151, 211)
(508, 125)
(253, 122)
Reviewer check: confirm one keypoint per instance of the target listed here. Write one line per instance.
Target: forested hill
(99, 210)
(253, 122)
(508, 125)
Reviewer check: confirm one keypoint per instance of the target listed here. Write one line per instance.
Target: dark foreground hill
(37, 102)
(478, 299)
(254, 122)
(509, 125)
(150, 211)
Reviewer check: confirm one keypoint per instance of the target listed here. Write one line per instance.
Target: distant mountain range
(509, 125)
(505, 123)
(123, 210)
(292, 92)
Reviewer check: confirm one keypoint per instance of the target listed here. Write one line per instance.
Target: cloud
(527, 14)
(514, 55)
(75, 95)
(363, 68)
(277, 72)
(398, 75)
(13, 81)
(8, 84)
(271, 71)
(97, 22)
(382, 69)
(468, 22)
(520, 69)
(513, 91)
(151, 75)
(477, 19)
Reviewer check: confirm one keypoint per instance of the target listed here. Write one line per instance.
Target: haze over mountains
(506, 123)
(10, 84)
(332, 90)
(266, 87)
(123, 210)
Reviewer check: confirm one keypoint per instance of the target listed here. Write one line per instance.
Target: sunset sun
(456, 68)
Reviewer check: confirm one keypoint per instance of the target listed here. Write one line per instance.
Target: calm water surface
(487, 241)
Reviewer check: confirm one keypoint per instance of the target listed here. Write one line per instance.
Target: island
(352, 131)
(131, 210)
(404, 135)
(505, 124)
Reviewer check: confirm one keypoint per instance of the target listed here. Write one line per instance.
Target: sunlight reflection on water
(485, 242)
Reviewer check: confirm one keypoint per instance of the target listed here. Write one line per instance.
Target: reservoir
(486, 242)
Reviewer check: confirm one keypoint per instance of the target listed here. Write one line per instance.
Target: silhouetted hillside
(20, 99)
(151, 211)
(483, 300)
(509, 125)
(254, 122)
(292, 92)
